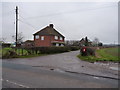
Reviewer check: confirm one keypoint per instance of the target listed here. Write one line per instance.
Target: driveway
(70, 63)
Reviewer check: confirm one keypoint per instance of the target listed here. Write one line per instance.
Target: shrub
(10, 54)
(86, 51)
(73, 48)
(16, 52)
(91, 51)
(50, 50)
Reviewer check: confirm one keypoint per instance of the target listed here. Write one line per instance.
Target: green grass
(18, 51)
(87, 58)
(109, 53)
(4, 52)
(106, 54)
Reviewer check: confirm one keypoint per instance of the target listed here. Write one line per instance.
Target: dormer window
(61, 38)
(37, 37)
(56, 37)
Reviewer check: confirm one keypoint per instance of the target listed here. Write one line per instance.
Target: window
(42, 37)
(62, 45)
(61, 38)
(57, 44)
(56, 37)
(37, 37)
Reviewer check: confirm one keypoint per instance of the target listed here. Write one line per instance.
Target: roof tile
(48, 31)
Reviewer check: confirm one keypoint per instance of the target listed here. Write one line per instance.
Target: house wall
(46, 42)
(53, 39)
(40, 43)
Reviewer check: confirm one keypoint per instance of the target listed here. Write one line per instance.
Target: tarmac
(69, 62)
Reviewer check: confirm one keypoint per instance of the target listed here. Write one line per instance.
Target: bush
(91, 51)
(10, 54)
(16, 52)
(86, 51)
(73, 48)
(51, 50)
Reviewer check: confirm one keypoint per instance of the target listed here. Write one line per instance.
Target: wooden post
(16, 24)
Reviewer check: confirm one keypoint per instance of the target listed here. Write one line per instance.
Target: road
(63, 70)
(26, 76)
(69, 62)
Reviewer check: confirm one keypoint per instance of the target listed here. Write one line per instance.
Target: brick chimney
(51, 25)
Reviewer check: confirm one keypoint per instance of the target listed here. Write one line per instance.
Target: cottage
(84, 42)
(47, 37)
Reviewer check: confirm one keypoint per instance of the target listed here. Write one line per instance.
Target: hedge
(50, 50)
(14, 52)
(89, 51)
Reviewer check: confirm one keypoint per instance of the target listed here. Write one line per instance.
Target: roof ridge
(48, 31)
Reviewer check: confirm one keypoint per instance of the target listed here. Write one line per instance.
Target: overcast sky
(74, 20)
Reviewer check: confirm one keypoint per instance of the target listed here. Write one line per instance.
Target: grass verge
(19, 53)
(106, 54)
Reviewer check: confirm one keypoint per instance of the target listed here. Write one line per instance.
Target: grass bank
(18, 53)
(106, 54)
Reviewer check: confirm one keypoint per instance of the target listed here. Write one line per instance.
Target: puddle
(114, 68)
(96, 77)
(101, 63)
(59, 70)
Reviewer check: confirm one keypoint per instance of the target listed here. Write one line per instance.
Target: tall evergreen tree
(86, 41)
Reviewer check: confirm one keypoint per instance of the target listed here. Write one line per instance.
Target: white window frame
(56, 37)
(61, 38)
(42, 37)
(36, 36)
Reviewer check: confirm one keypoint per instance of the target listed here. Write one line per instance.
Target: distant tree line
(72, 43)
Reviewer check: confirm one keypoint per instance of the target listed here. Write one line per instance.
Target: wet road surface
(26, 76)
(69, 62)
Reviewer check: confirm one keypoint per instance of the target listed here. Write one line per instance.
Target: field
(106, 54)
(109, 53)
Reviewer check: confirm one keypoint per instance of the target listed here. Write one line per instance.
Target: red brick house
(47, 37)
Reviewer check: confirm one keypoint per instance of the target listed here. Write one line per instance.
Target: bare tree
(72, 43)
(20, 37)
(2, 40)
